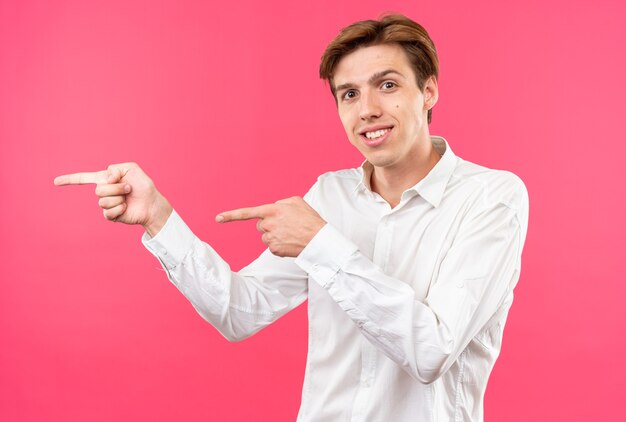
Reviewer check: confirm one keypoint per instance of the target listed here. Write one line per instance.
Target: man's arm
(238, 304)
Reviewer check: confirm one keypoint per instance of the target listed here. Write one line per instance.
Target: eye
(389, 85)
(350, 94)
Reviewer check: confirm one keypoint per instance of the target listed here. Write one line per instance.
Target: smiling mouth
(376, 134)
(374, 138)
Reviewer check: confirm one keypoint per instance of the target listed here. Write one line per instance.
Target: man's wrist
(159, 217)
(325, 254)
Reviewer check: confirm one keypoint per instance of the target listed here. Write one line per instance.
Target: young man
(408, 262)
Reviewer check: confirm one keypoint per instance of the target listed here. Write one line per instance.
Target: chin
(380, 161)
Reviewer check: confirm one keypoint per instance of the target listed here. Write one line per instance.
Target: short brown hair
(390, 29)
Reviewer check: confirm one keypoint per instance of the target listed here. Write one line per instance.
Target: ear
(431, 93)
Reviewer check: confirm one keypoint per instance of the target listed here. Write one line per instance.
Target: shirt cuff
(325, 255)
(172, 243)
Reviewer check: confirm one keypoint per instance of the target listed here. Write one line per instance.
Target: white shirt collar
(431, 187)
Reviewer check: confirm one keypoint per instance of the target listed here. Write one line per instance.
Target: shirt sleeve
(425, 337)
(237, 304)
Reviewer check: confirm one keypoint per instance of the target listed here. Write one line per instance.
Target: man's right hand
(126, 195)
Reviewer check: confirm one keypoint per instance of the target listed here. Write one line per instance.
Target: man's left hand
(287, 225)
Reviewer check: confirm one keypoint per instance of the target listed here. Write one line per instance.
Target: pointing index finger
(81, 178)
(241, 214)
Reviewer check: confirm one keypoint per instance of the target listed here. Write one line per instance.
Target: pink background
(222, 106)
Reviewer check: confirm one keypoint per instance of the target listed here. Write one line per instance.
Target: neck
(391, 181)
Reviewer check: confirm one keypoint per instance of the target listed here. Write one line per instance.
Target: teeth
(376, 134)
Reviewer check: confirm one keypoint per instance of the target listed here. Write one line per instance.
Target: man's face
(383, 111)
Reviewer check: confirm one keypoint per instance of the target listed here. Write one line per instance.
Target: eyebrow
(375, 77)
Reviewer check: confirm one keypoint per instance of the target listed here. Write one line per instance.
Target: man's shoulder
(339, 183)
(492, 185)
(348, 178)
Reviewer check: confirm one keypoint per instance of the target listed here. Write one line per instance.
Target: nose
(370, 106)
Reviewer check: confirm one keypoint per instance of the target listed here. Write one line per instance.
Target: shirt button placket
(368, 351)
(382, 243)
(363, 396)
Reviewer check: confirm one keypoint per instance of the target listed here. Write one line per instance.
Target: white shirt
(406, 305)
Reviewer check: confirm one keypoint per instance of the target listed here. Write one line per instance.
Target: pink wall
(222, 106)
